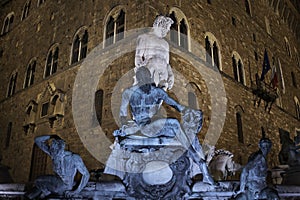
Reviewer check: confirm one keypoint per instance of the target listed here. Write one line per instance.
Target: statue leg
(50, 184)
(206, 176)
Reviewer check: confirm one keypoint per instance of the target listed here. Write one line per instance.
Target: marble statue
(65, 166)
(253, 183)
(144, 100)
(152, 50)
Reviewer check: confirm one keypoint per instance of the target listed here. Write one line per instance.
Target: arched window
(212, 50)
(287, 47)
(247, 5)
(216, 55)
(25, 11)
(174, 26)
(115, 26)
(79, 47)
(208, 50)
(297, 104)
(238, 68)
(29, 77)
(8, 134)
(194, 95)
(120, 25)
(239, 121)
(99, 105)
(180, 28)
(12, 84)
(52, 62)
(38, 163)
(7, 24)
(192, 100)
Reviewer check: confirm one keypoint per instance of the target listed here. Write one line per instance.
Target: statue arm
(168, 100)
(40, 142)
(170, 77)
(124, 106)
(83, 171)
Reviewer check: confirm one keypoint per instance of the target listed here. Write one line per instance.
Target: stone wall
(57, 21)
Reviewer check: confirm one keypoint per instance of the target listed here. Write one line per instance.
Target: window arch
(12, 84)
(29, 77)
(8, 134)
(79, 45)
(114, 26)
(239, 111)
(287, 47)
(212, 48)
(7, 24)
(297, 104)
(25, 11)
(193, 94)
(180, 28)
(238, 68)
(248, 7)
(51, 61)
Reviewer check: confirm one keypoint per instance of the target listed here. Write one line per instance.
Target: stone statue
(153, 51)
(144, 100)
(253, 183)
(65, 166)
(286, 144)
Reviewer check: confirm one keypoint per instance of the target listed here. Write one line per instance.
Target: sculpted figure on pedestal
(65, 166)
(253, 183)
(152, 51)
(144, 100)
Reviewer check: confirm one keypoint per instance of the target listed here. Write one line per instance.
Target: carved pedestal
(152, 168)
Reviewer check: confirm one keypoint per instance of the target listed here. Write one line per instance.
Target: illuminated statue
(253, 183)
(152, 51)
(65, 165)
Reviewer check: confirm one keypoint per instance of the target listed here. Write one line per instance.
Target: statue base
(292, 176)
(152, 168)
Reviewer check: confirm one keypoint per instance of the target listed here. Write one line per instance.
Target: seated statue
(152, 51)
(65, 165)
(144, 100)
(253, 183)
(289, 153)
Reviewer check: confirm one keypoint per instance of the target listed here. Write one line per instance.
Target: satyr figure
(253, 183)
(153, 51)
(65, 165)
(144, 100)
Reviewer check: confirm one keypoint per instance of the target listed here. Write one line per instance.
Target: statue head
(265, 145)
(162, 25)
(57, 146)
(143, 76)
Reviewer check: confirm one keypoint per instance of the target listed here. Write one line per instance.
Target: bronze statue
(65, 166)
